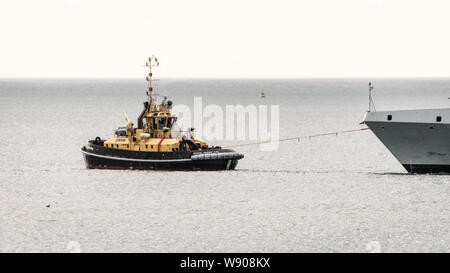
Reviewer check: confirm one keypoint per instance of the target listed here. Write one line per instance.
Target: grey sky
(233, 38)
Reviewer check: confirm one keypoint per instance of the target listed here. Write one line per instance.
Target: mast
(152, 61)
(371, 87)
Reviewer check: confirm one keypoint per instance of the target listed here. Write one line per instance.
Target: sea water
(339, 193)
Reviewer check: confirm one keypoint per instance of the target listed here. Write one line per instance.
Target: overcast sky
(230, 38)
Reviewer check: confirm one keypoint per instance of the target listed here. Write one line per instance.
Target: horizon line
(225, 78)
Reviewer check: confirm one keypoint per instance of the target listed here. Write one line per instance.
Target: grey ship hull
(419, 139)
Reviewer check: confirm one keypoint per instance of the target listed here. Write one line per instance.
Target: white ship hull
(419, 139)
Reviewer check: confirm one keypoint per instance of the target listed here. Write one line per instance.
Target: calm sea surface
(338, 194)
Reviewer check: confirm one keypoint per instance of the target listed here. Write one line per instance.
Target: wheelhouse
(158, 121)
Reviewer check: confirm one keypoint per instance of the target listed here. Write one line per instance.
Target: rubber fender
(198, 157)
(239, 156)
(217, 156)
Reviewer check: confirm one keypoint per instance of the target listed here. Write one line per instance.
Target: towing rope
(298, 138)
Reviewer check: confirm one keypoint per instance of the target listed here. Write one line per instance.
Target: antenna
(371, 87)
(152, 61)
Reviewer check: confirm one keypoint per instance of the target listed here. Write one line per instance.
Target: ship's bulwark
(421, 147)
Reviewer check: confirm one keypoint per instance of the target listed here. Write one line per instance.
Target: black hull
(422, 169)
(99, 157)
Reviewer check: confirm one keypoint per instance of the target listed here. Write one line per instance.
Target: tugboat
(152, 145)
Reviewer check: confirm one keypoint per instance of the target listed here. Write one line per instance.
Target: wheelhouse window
(438, 118)
(389, 117)
(169, 123)
(154, 124)
(162, 123)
